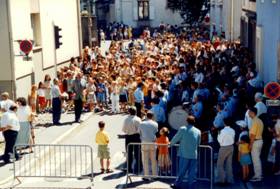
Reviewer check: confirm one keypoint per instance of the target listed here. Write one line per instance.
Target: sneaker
(254, 179)
(277, 173)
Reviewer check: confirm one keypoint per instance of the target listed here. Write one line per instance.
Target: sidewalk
(45, 133)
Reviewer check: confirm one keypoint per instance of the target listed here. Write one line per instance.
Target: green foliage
(192, 11)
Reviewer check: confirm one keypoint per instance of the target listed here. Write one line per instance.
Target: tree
(192, 11)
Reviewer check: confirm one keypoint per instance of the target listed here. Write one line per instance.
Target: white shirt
(55, 92)
(23, 113)
(10, 118)
(131, 125)
(248, 120)
(41, 92)
(6, 104)
(226, 136)
(261, 108)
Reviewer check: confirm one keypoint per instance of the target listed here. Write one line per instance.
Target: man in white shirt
(261, 107)
(148, 130)
(226, 141)
(5, 103)
(10, 127)
(131, 129)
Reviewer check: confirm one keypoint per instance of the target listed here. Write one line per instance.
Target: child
(32, 98)
(163, 154)
(102, 139)
(244, 155)
(41, 97)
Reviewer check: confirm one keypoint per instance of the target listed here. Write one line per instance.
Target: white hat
(259, 96)
(241, 123)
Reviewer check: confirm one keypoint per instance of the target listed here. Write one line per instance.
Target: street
(84, 134)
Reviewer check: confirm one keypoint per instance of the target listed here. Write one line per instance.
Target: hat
(259, 96)
(241, 123)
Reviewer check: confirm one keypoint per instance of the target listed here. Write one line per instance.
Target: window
(143, 10)
(36, 27)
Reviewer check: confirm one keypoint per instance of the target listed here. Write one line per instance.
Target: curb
(56, 141)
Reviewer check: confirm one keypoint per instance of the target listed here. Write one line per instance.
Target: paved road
(85, 134)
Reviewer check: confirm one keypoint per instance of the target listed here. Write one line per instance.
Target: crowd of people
(165, 69)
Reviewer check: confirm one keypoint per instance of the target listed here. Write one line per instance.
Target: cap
(259, 96)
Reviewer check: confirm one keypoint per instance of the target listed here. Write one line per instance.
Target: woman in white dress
(24, 115)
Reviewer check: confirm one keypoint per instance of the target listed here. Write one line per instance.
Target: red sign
(26, 46)
(272, 90)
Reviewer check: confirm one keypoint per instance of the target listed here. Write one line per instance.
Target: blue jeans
(186, 165)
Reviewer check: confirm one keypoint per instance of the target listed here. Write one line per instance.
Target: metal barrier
(139, 157)
(56, 161)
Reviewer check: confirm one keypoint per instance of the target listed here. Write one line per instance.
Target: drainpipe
(79, 26)
(232, 20)
(12, 60)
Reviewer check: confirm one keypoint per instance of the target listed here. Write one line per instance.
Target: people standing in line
(47, 86)
(189, 138)
(131, 129)
(6, 102)
(25, 116)
(102, 139)
(78, 89)
(139, 99)
(244, 156)
(56, 102)
(256, 143)
(148, 129)
(10, 127)
(224, 165)
(164, 161)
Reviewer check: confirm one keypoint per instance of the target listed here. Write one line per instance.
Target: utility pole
(89, 23)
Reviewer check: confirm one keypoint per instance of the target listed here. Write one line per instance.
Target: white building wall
(64, 13)
(161, 13)
(126, 11)
(5, 71)
(226, 15)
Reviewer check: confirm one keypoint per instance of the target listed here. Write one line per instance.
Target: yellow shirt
(257, 128)
(102, 138)
(244, 148)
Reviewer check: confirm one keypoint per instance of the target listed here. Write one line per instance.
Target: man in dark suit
(78, 89)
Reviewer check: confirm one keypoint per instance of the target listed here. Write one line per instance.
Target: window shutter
(152, 13)
(135, 13)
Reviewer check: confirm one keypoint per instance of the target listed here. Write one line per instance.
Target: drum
(177, 117)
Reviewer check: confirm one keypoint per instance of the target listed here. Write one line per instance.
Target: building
(33, 20)
(225, 18)
(268, 39)
(248, 24)
(137, 13)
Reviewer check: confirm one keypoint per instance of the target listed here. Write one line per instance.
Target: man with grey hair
(131, 129)
(5, 102)
(148, 129)
(261, 107)
(78, 89)
(56, 102)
